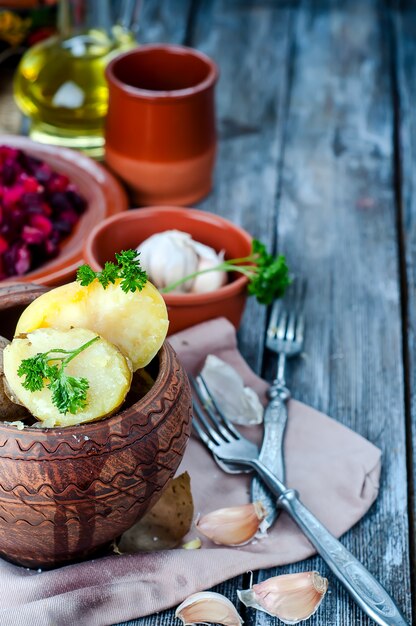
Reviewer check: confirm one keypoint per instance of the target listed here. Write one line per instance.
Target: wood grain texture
(251, 43)
(404, 41)
(337, 223)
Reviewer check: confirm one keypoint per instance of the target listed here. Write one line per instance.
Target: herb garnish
(69, 393)
(268, 275)
(127, 268)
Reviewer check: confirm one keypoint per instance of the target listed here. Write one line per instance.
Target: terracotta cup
(160, 129)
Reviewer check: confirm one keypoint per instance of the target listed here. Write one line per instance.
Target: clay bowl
(129, 229)
(104, 196)
(66, 493)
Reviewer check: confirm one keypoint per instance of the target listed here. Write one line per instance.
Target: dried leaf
(165, 525)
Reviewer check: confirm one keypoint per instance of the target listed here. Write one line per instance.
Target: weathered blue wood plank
(337, 225)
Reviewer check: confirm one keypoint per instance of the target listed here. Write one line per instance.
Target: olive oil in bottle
(60, 83)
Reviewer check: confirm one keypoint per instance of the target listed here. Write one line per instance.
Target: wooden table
(317, 121)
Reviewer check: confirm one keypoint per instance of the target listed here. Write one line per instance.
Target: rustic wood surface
(317, 119)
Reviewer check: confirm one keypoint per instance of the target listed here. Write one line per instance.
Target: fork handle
(271, 452)
(367, 592)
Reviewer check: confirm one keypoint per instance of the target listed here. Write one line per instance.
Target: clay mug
(160, 135)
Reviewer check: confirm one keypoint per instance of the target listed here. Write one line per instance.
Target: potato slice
(136, 323)
(106, 369)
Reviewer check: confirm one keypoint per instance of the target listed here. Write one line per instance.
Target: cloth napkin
(326, 462)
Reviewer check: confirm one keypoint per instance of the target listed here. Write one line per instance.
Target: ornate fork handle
(368, 593)
(271, 454)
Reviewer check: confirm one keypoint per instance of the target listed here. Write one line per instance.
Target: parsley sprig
(268, 275)
(69, 393)
(127, 268)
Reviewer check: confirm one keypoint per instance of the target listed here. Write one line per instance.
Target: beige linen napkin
(325, 461)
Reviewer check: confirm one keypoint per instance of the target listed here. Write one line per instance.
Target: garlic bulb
(168, 257)
(208, 607)
(234, 525)
(291, 597)
(172, 255)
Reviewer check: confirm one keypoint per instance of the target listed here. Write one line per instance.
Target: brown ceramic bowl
(129, 229)
(66, 493)
(104, 196)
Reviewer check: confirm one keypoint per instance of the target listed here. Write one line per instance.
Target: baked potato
(137, 323)
(106, 369)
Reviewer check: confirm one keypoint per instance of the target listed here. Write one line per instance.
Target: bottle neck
(76, 16)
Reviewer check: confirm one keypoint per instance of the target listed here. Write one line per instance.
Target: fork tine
(281, 326)
(274, 316)
(200, 431)
(296, 308)
(224, 418)
(218, 420)
(211, 434)
(209, 403)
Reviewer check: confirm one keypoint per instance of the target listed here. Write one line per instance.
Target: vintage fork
(285, 337)
(229, 446)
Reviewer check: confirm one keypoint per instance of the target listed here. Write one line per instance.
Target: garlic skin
(209, 608)
(291, 597)
(232, 526)
(239, 404)
(172, 255)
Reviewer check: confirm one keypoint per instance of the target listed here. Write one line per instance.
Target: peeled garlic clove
(209, 608)
(291, 597)
(232, 526)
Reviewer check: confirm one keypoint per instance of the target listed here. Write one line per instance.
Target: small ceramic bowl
(128, 230)
(66, 493)
(104, 196)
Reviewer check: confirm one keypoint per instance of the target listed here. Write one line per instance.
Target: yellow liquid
(60, 85)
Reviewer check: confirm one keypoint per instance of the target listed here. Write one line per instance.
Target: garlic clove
(204, 283)
(291, 597)
(207, 259)
(209, 608)
(232, 526)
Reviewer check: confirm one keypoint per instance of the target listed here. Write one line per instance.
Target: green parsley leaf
(35, 369)
(69, 393)
(127, 268)
(85, 275)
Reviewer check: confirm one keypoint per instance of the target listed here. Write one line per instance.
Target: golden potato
(136, 323)
(108, 373)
